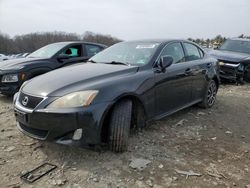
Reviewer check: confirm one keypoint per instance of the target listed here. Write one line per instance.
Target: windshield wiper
(91, 61)
(118, 63)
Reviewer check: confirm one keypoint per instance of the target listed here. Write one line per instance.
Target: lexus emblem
(25, 101)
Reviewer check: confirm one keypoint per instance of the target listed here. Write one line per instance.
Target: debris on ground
(180, 123)
(188, 173)
(139, 163)
(161, 166)
(9, 149)
(213, 172)
(228, 132)
(149, 183)
(38, 172)
(95, 180)
(29, 144)
(58, 182)
(201, 114)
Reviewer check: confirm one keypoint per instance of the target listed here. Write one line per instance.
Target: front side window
(133, 53)
(92, 50)
(47, 51)
(175, 50)
(192, 52)
(73, 51)
(236, 46)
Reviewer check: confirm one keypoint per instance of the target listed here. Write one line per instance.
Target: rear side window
(175, 50)
(192, 52)
(92, 50)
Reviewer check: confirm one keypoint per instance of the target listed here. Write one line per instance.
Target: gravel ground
(192, 148)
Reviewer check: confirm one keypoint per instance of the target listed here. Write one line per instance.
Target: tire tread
(120, 125)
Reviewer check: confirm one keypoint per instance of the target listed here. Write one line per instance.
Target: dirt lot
(213, 143)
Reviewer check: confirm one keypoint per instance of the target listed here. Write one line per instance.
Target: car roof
(158, 40)
(240, 39)
(79, 42)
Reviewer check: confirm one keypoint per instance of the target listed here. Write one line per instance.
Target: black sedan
(119, 89)
(234, 60)
(53, 56)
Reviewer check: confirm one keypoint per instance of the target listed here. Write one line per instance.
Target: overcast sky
(128, 19)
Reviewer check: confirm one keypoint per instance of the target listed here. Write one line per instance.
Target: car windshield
(236, 46)
(47, 51)
(131, 53)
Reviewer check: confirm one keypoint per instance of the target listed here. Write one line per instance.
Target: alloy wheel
(211, 95)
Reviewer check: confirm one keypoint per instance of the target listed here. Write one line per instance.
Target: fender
(37, 71)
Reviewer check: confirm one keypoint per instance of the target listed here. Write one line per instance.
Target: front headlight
(76, 99)
(221, 63)
(10, 78)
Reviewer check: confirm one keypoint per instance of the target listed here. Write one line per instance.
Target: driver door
(173, 86)
(73, 54)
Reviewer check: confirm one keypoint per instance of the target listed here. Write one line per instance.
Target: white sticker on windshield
(145, 46)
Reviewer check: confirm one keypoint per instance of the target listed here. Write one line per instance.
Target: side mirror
(166, 61)
(62, 57)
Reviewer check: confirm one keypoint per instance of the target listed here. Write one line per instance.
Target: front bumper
(9, 88)
(60, 125)
(231, 72)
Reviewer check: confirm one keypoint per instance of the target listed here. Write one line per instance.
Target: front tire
(210, 95)
(119, 127)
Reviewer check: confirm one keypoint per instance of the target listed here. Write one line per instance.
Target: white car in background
(3, 57)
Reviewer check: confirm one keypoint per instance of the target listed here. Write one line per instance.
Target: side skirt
(158, 117)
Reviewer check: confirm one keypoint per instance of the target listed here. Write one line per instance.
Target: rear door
(198, 67)
(173, 87)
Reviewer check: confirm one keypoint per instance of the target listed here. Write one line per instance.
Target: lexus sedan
(121, 88)
(53, 56)
(234, 60)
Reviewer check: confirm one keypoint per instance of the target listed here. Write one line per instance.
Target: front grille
(38, 133)
(230, 71)
(29, 101)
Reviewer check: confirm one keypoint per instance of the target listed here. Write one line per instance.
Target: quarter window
(192, 52)
(175, 50)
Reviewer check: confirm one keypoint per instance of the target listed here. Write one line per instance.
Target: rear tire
(210, 95)
(119, 127)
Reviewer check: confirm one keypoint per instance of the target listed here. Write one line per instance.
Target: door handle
(188, 71)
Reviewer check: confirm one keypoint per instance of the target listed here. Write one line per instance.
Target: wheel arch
(136, 102)
(39, 71)
(217, 81)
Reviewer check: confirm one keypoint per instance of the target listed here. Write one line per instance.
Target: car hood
(228, 55)
(16, 64)
(75, 78)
